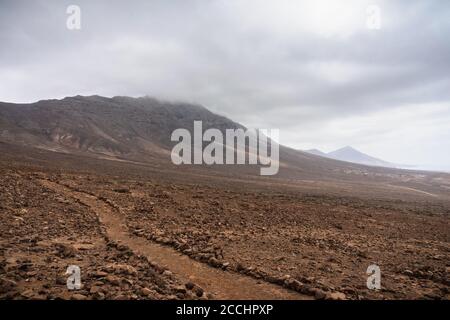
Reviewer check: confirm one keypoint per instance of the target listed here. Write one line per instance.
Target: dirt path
(414, 190)
(222, 284)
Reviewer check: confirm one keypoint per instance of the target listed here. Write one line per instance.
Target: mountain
(118, 127)
(350, 154)
(133, 130)
(317, 152)
(81, 130)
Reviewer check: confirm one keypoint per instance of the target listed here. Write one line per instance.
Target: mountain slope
(350, 154)
(317, 152)
(122, 127)
(137, 131)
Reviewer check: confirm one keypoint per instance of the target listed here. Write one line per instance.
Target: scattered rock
(180, 289)
(335, 296)
(408, 273)
(61, 280)
(167, 273)
(7, 285)
(99, 296)
(146, 292)
(28, 293)
(198, 291)
(78, 296)
(319, 294)
(189, 285)
(65, 250)
(95, 289)
(122, 269)
(100, 274)
(113, 280)
(214, 262)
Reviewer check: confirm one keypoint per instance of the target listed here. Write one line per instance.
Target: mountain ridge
(350, 154)
(112, 126)
(138, 130)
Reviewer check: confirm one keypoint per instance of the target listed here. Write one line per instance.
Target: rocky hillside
(138, 130)
(120, 127)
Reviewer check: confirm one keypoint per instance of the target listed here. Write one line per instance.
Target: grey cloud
(240, 60)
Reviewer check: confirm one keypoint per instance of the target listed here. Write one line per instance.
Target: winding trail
(414, 190)
(222, 284)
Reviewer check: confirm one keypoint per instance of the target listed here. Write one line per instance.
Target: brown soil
(231, 240)
(221, 284)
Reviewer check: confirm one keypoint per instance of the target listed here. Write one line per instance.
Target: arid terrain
(142, 228)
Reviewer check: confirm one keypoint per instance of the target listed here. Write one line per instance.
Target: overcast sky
(311, 68)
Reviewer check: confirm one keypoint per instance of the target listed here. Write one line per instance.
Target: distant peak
(350, 148)
(350, 154)
(345, 150)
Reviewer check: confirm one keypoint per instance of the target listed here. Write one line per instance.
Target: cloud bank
(311, 68)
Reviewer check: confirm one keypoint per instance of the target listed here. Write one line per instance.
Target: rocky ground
(317, 245)
(42, 233)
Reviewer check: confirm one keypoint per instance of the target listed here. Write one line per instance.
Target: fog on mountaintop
(314, 69)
